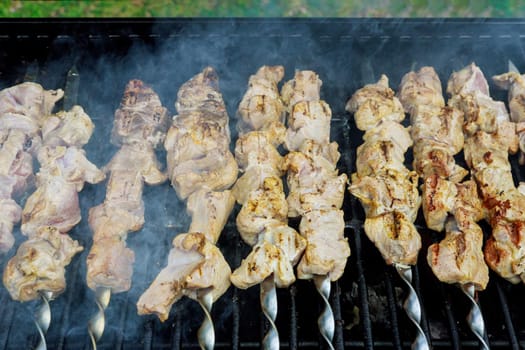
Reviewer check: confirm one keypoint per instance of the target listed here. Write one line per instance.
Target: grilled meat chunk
(140, 126)
(194, 265)
(261, 106)
(277, 251)
(22, 110)
(209, 212)
(326, 247)
(458, 258)
(39, 264)
(422, 88)
(198, 140)
(374, 103)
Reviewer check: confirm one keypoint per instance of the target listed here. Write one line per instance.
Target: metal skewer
(43, 318)
(206, 332)
(412, 307)
(326, 320)
(475, 318)
(97, 323)
(269, 307)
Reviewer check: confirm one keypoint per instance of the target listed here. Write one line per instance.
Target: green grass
(263, 8)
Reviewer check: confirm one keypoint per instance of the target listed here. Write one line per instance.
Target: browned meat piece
(198, 141)
(442, 197)
(432, 157)
(277, 251)
(308, 120)
(385, 187)
(304, 87)
(140, 117)
(395, 236)
(313, 184)
(490, 137)
(458, 258)
(39, 264)
(382, 194)
(261, 105)
(209, 212)
(375, 103)
(194, 265)
(264, 206)
(326, 247)
(422, 88)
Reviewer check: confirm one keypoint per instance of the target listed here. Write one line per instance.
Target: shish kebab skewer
(437, 132)
(386, 188)
(490, 136)
(22, 109)
(139, 126)
(201, 169)
(38, 268)
(263, 219)
(316, 191)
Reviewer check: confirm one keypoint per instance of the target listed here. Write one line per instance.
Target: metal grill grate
(346, 53)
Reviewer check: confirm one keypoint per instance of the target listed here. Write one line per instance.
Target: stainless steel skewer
(412, 307)
(206, 332)
(326, 320)
(269, 307)
(43, 318)
(475, 318)
(97, 323)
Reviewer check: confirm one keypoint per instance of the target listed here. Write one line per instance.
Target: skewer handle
(475, 318)
(97, 323)
(206, 332)
(43, 318)
(269, 308)
(412, 307)
(326, 320)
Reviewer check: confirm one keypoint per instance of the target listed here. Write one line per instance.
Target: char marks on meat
(53, 209)
(140, 125)
(386, 188)
(201, 169)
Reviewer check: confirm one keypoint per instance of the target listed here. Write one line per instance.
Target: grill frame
(346, 53)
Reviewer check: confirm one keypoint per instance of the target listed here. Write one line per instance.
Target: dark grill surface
(367, 300)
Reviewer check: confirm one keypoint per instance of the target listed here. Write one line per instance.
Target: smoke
(344, 54)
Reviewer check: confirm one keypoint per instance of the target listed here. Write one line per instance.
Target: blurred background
(264, 8)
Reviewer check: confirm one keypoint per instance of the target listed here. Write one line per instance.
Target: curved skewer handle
(43, 318)
(97, 323)
(269, 307)
(206, 331)
(326, 320)
(475, 318)
(412, 307)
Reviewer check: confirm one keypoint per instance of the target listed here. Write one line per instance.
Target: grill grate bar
(506, 315)
(364, 311)
(417, 287)
(235, 319)
(336, 308)
(392, 307)
(177, 332)
(293, 318)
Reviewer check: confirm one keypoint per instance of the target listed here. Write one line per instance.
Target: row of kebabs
(202, 170)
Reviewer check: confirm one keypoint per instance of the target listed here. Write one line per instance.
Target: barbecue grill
(102, 55)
